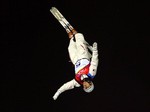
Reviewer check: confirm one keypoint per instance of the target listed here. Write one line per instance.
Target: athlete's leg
(72, 50)
(82, 46)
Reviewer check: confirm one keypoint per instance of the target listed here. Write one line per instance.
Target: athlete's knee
(79, 37)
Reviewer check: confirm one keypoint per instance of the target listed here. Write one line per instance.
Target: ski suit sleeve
(66, 86)
(94, 61)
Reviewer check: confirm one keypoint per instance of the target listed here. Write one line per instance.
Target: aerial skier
(85, 62)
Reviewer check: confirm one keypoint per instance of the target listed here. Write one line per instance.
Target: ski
(62, 20)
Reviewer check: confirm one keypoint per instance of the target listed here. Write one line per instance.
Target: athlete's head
(88, 85)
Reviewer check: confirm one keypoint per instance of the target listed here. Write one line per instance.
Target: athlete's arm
(66, 86)
(94, 61)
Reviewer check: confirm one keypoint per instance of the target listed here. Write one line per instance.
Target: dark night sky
(35, 60)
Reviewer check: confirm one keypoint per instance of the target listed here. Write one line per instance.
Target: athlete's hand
(55, 95)
(95, 46)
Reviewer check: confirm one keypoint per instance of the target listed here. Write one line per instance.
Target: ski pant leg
(72, 51)
(81, 45)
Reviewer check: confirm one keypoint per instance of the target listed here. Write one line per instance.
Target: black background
(35, 60)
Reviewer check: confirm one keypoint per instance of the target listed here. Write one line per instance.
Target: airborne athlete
(85, 63)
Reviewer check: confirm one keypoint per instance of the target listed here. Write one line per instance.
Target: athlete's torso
(81, 67)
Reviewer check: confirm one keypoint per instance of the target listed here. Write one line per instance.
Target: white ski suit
(84, 62)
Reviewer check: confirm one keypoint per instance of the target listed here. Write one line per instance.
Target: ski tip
(52, 9)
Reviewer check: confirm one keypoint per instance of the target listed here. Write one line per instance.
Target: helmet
(89, 89)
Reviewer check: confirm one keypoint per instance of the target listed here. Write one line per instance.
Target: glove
(55, 95)
(95, 46)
